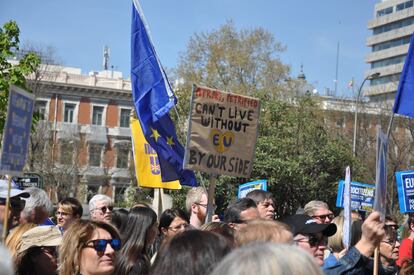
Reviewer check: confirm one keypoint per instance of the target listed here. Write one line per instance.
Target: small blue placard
(16, 131)
(362, 196)
(405, 187)
(245, 188)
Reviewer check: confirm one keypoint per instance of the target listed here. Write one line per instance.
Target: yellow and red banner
(147, 166)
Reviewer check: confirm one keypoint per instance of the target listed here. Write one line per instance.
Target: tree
(12, 73)
(246, 62)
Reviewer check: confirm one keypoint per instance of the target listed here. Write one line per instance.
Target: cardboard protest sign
(222, 133)
(362, 196)
(405, 187)
(16, 131)
(246, 188)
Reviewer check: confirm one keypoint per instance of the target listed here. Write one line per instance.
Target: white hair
(313, 206)
(96, 198)
(268, 259)
(38, 198)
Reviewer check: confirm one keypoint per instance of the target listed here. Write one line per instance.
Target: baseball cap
(43, 235)
(304, 224)
(14, 191)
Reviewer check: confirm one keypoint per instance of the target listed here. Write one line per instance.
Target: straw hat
(41, 236)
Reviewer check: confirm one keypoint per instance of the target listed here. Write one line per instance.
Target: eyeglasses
(178, 227)
(392, 226)
(323, 217)
(313, 240)
(63, 214)
(390, 242)
(106, 208)
(100, 244)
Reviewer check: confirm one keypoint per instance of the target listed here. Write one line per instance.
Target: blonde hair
(14, 239)
(335, 241)
(194, 196)
(264, 230)
(74, 240)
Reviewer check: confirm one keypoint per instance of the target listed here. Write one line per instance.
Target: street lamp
(369, 77)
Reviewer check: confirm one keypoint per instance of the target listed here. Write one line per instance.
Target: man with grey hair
(100, 208)
(264, 202)
(319, 211)
(37, 207)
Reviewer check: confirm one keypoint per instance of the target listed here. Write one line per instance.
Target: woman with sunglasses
(138, 237)
(89, 248)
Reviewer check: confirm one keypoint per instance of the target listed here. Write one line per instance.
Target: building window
(40, 109)
(95, 151)
(404, 5)
(385, 11)
(124, 121)
(388, 61)
(66, 153)
(97, 115)
(122, 158)
(69, 113)
(393, 26)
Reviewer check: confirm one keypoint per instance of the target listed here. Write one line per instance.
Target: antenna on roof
(106, 58)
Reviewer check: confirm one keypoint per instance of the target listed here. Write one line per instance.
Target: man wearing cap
(310, 235)
(16, 204)
(38, 251)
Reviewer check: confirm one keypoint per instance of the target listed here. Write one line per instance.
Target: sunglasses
(323, 217)
(100, 244)
(105, 208)
(314, 240)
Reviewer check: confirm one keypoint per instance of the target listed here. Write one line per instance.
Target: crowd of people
(247, 240)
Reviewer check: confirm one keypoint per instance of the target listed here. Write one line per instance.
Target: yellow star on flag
(155, 134)
(170, 141)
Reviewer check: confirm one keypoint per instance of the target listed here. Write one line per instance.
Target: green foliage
(12, 74)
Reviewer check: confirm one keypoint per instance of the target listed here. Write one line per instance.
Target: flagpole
(390, 125)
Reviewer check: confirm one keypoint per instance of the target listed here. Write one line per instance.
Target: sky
(310, 30)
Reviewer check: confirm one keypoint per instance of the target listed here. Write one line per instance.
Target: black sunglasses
(100, 244)
(105, 208)
(315, 241)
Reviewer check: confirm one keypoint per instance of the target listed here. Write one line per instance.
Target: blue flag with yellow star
(153, 99)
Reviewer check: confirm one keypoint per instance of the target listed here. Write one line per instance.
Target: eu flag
(404, 101)
(153, 99)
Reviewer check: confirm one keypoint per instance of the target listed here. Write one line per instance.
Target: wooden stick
(211, 195)
(6, 214)
(376, 260)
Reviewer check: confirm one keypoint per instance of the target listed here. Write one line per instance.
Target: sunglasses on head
(105, 208)
(100, 244)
